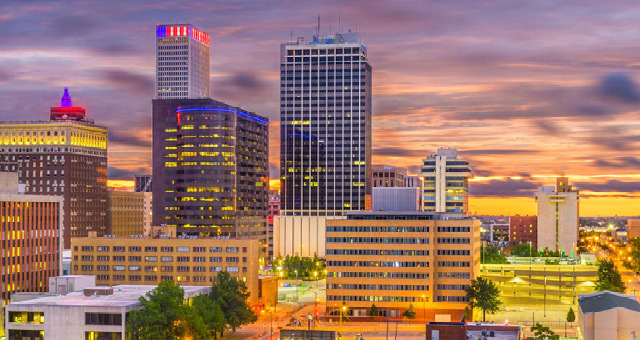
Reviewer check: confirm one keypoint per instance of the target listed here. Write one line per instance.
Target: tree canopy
(232, 296)
(609, 277)
(484, 294)
(409, 313)
(571, 315)
(164, 316)
(373, 311)
(493, 255)
(301, 267)
(523, 250)
(541, 332)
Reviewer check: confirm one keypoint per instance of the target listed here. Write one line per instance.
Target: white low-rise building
(95, 313)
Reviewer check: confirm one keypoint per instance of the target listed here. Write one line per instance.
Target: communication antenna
(291, 36)
(318, 28)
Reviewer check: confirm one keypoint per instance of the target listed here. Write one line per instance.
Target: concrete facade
(608, 315)
(394, 259)
(446, 182)
(300, 235)
(73, 316)
(145, 260)
(395, 199)
(633, 229)
(125, 216)
(558, 217)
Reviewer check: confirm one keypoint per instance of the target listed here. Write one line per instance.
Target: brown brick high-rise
(65, 156)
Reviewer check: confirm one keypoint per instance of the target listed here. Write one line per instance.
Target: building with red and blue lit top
(182, 62)
(63, 156)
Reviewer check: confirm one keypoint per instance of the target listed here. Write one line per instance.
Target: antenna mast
(318, 28)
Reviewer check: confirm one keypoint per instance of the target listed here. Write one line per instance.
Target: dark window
(102, 319)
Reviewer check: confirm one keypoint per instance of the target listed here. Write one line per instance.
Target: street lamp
(343, 310)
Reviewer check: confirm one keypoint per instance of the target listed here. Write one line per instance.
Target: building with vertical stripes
(325, 157)
(31, 227)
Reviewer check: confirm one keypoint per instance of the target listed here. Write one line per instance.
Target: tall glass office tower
(325, 117)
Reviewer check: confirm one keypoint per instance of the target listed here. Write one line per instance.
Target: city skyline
(526, 93)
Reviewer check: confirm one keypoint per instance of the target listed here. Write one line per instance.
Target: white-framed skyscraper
(446, 182)
(182, 62)
(325, 158)
(558, 217)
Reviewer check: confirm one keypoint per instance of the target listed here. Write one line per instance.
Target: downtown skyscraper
(182, 62)
(210, 159)
(325, 157)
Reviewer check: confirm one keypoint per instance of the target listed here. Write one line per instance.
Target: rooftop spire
(66, 99)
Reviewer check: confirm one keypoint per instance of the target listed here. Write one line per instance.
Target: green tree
(409, 313)
(484, 294)
(211, 314)
(541, 332)
(373, 311)
(492, 255)
(164, 316)
(571, 316)
(635, 254)
(232, 297)
(609, 277)
(523, 250)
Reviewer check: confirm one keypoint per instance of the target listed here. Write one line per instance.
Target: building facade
(387, 176)
(148, 261)
(633, 229)
(274, 210)
(558, 217)
(325, 157)
(210, 169)
(446, 182)
(126, 216)
(608, 315)
(533, 283)
(396, 199)
(182, 62)
(394, 259)
(523, 229)
(142, 183)
(94, 313)
(65, 156)
(31, 249)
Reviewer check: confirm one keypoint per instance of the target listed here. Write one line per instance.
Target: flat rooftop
(123, 296)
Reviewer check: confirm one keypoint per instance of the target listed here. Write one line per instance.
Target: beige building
(608, 315)
(558, 217)
(541, 284)
(148, 211)
(148, 261)
(394, 259)
(125, 216)
(633, 229)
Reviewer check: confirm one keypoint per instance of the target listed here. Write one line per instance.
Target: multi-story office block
(184, 260)
(210, 169)
(394, 259)
(387, 176)
(65, 156)
(558, 217)
(495, 233)
(126, 213)
(325, 158)
(523, 229)
(31, 226)
(633, 229)
(446, 182)
(182, 62)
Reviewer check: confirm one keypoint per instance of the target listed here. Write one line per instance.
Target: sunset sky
(525, 90)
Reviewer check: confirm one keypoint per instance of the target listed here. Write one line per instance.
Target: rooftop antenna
(318, 28)
(339, 27)
(291, 36)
